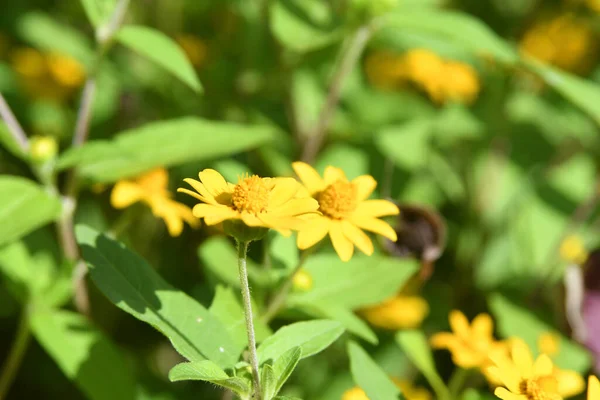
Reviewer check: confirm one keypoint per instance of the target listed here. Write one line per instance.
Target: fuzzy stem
(15, 357)
(243, 272)
(13, 125)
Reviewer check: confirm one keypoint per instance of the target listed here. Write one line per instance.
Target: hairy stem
(243, 272)
(15, 357)
(347, 63)
(13, 125)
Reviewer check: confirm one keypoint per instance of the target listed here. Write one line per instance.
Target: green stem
(457, 382)
(17, 351)
(243, 272)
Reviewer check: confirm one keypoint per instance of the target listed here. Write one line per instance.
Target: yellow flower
(65, 70)
(462, 83)
(302, 281)
(151, 188)
(524, 378)
(28, 63)
(548, 343)
(570, 383)
(398, 312)
(345, 211)
(573, 250)
(43, 148)
(257, 202)
(384, 69)
(593, 388)
(409, 392)
(470, 345)
(194, 48)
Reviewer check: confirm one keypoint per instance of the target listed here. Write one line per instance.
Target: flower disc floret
(338, 199)
(251, 195)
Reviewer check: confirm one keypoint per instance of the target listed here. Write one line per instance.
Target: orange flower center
(338, 199)
(540, 388)
(251, 195)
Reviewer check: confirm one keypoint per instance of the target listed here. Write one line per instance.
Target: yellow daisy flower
(524, 378)
(152, 189)
(593, 388)
(345, 211)
(570, 383)
(409, 392)
(470, 345)
(398, 312)
(257, 202)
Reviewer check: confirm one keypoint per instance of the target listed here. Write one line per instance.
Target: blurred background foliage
(484, 110)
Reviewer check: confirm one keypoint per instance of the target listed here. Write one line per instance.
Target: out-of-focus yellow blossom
(570, 383)
(442, 80)
(593, 388)
(573, 250)
(195, 49)
(522, 377)
(257, 202)
(548, 343)
(564, 41)
(43, 148)
(470, 345)
(398, 312)
(48, 76)
(409, 392)
(152, 189)
(302, 281)
(594, 5)
(345, 211)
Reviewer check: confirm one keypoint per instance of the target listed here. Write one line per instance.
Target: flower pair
(331, 204)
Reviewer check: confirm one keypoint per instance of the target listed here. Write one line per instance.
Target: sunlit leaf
(369, 376)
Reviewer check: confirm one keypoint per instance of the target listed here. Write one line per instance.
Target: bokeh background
(485, 112)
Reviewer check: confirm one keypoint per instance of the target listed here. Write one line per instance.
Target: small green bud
(43, 148)
(242, 232)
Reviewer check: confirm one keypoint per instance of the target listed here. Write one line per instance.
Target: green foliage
(369, 376)
(210, 372)
(98, 11)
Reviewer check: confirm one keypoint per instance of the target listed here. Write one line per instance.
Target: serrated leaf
(311, 336)
(162, 144)
(132, 285)
(162, 50)
(369, 376)
(83, 354)
(415, 345)
(363, 281)
(267, 381)
(26, 206)
(210, 372)
(514, 320)
(285, 365)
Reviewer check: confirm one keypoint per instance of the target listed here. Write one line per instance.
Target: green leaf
(285, 365)
(311, 336)
(407, 145)
(267, 381)
(353, 161)
(162, 144)
(227, 309)
(461, 29)
(26, 207)
(286, 398)
(415, 346)
(162, 50)
(130, 283)
(9, 143)
(514, 320)
(363, 281)
(98, 11)
(296, 30)
(369, 376)
(83, 354)
(210, 372)
(283, 251)
(343, 315)
(45, 33)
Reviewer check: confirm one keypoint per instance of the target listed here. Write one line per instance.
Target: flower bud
(302, 281)
(43, 148)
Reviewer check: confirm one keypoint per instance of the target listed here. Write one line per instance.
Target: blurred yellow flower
(194, 48)
(409, 392)
(593, 388)
(470, 345)
(66, 70)
(302, 281)
(565, 41)
(29, 63)
(384, 69)
(573, 250)
(43, 148)
(257, 202)
(152, 189)
(522, 377)
(570, 383)
(345, 211)
(398, 312)
(462, 83)
(548, 343)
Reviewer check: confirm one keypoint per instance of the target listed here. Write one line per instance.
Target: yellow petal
(459, 324)
(251, 220)
(309, 176)
(365, 185)
(214, 182)
(521, 355)
(374, 225)
(174, 224)
(542, 366)
(213, 214)
(155, 180)
(377, 208)
(207, 197)
(193, 194)
(506, 395)
(333, 174)
(343, 247)
(284, 190)
(297, 207)
(283, 223)
(593, 388)
(357, 237)
(125, 193)
(443, 340)
(312, 232)
(570, 383)
(482, 326)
